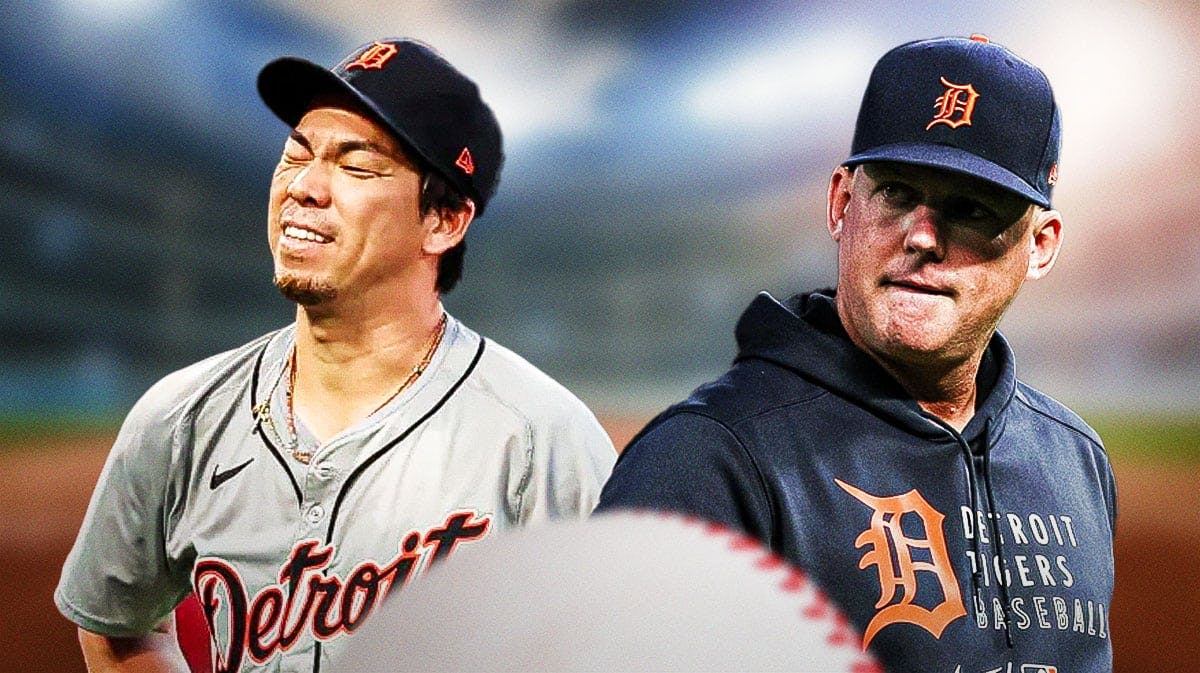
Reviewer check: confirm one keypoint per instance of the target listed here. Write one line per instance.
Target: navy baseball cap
(435, 110)
(965, 105)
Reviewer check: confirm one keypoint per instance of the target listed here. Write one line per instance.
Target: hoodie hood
(805, 335)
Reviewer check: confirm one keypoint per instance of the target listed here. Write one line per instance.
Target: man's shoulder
(1055, 412)
(513, 381)
(752, 396)
(552, 416)
(200, 380)
(752, 388)
(211, 386)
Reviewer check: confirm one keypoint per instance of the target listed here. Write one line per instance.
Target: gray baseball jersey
(199, 493)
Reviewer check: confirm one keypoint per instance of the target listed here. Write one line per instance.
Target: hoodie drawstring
(989, 505)
(973, 494)
(1002, 580)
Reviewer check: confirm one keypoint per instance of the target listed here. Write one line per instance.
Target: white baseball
(617, 592)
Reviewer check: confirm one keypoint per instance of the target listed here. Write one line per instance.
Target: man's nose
(310, 186)
(923, 233)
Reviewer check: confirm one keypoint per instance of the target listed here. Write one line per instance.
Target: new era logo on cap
(465, 162)
(964, 105)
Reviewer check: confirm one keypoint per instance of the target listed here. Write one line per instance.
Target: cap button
(980, 37)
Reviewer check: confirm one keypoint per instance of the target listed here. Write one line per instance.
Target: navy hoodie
(985, 550)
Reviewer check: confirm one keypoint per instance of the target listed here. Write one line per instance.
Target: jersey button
(315, 514)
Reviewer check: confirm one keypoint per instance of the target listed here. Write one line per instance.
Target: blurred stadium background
(665, 162)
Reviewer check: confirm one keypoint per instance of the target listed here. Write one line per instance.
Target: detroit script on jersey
(310, 600)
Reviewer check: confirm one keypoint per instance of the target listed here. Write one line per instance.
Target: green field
(29, 431)
(1166, 438)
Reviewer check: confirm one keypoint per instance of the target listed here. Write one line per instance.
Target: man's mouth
(917, 286)
(302, 234)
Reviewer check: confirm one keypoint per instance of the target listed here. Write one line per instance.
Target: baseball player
(294, 482)
(877, 434)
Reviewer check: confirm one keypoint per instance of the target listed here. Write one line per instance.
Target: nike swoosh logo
(219, 477)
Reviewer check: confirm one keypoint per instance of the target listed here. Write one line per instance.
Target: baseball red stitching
(842, 634)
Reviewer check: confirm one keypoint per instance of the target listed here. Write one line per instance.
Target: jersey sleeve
(569, 457)
(691, 464)
(117, 579)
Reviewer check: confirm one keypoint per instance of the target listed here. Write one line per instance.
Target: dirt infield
(1155, 613)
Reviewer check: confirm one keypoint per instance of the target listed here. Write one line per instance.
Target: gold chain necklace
(292, 441)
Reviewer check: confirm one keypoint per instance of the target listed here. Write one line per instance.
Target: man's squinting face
(344, 216)
(929, 260)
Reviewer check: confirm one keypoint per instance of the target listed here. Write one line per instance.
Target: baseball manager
(877, 434)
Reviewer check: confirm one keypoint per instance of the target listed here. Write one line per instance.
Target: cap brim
(289, 86)
(951, 159)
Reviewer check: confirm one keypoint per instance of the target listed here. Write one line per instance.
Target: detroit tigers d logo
(955, 106)
(374, 57)
(890, 550)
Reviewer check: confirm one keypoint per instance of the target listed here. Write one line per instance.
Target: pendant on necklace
(292, 446)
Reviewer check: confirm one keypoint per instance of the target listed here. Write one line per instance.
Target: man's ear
(446, 227)
(839, 200)
(1044, 243)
